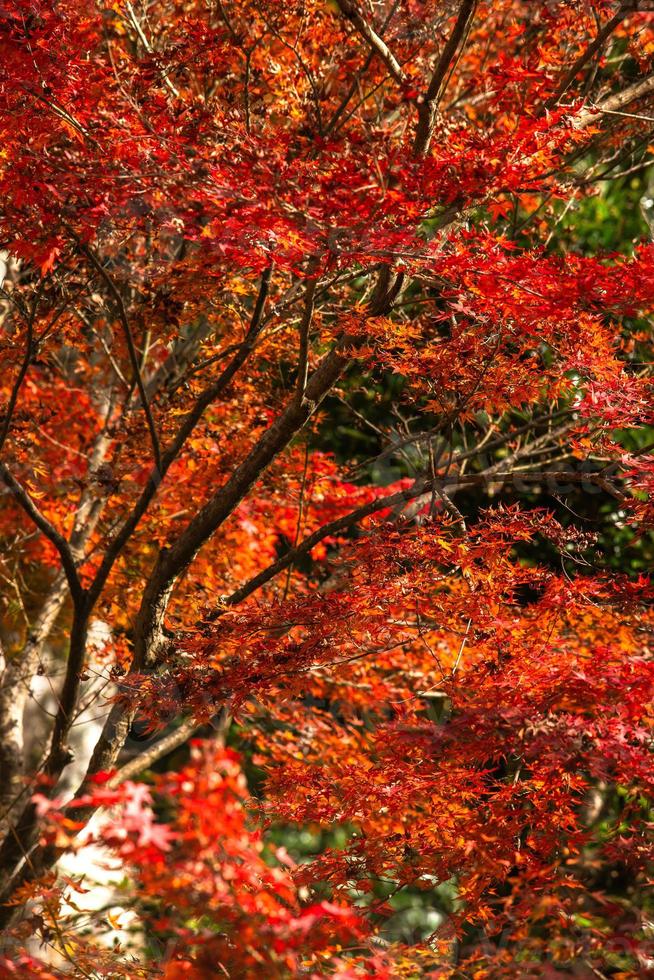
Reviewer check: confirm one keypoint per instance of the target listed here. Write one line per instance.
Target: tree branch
(310, 542)
(27, 357)
(379, 46)
(589, 53)
(174, 560)
(58, 756)
(48, 529)
(305, 327)
(14, 691)
(150, 640)
(148, 47)
(427, 107)
(145, 759)
(136, 370)
(188, 424)
(614, 103)
(419, 489)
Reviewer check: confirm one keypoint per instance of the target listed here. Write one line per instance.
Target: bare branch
(588, 54)
(305, 327)
(153, 753)
(148, 47)
(145, 759)
(27, 357)
(427, 107)
(379, 46)
(58, 755)
(46, 528)
(136, 370)
(614, 103)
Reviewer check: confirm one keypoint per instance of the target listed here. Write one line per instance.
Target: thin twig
(586, 55)
(305, 327)
(461, 649)
(148, 47)
(27, 357)
(138, 379)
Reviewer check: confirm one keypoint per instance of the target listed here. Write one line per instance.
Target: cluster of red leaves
(536, 707)
(217, 899)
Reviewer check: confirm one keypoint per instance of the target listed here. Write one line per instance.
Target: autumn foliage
(326, 454)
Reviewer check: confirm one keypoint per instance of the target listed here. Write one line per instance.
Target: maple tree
(326, 424)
